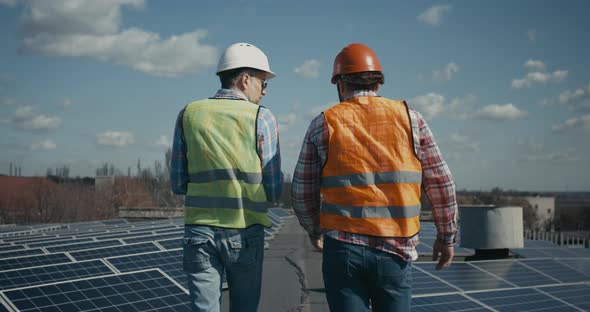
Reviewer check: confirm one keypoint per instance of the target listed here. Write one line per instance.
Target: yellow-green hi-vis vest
(225, 176)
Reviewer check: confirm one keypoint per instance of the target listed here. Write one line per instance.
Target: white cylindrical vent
(491, 227)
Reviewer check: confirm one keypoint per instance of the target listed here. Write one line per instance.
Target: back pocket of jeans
(393, 269)
(335, 264)
(196, 256)
(246, 250)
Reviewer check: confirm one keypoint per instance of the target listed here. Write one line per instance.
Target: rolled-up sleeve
(438, 184)
(270, 154)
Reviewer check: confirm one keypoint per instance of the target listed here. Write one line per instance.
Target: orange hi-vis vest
(371, 180)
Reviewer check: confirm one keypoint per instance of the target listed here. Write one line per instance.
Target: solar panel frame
(170, 244)
(576, 295)
(519, 299)
(126, 249)
(134, 291)
(22, 253)
(514, 272)
(83, 246)
(39, 275)
(447, 303)
(556, 270)
(169, 261)
(150, 238)
(464, 276)
(33, 261)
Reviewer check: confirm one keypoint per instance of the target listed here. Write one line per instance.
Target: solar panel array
(113, 265)
(118, 265)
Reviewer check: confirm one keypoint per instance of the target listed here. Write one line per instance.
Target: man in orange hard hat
(357, 187)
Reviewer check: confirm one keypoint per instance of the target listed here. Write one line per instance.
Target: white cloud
(576, 100)
(446, 73)
(534, 64)
(462, 102)
(429, 105)
(434, 14)
(7, 102)
(539, 77)
(115, 138)
(43, 145)
(163, 141)
(532, 35)
(499, 112)
(87, 28)
(463, 143)
(567, 155)
(41, 123)
(65, 103)
(309, 69)
(531, 146)
(582, 122)
(25, 118)
(286, 121)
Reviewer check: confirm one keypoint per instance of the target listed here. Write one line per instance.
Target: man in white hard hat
(226, 161)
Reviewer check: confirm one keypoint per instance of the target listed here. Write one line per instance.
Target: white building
(544, 208)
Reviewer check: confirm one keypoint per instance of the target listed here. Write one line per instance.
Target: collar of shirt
(230, 94)
(360, 93)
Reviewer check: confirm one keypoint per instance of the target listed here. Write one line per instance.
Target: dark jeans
(356, 275)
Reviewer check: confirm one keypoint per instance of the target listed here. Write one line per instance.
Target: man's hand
(317, 242)
(446, 254)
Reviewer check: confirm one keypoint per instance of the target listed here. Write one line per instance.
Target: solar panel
(28, 240)
(21, 253)
(556, 270)
(538, 244)
(60, 242)
(545, 252)
(52, 273)
(423, 283)
(170, 243)
(138, 291)
(11, 248)
(446, 303)
(82, 246)
(170, 262)
(581, 265)
(464, 276)
(113, 251)
(515, 273)
(522, 300)
(282, 213)
(577, 295)
(32, 261)
(114, 221)
(152, 238)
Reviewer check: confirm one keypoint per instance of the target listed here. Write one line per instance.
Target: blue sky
(505, 85)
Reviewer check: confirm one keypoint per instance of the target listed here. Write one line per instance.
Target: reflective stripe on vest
(371, 180)
(225, 177)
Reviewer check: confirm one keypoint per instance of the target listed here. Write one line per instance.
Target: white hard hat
(244, 55)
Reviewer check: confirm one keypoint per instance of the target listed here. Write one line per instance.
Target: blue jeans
(356, 275)
(209, 252)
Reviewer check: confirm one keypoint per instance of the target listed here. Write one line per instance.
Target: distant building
(544, 209)
(573, 211)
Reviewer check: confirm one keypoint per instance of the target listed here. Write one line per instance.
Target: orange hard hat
(355, 58)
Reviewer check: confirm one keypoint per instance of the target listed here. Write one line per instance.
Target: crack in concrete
(302, 282)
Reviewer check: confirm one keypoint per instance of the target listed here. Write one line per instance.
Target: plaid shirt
(268, 150)
(437, 182)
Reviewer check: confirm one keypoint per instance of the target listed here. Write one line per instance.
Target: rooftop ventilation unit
(491, 230)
